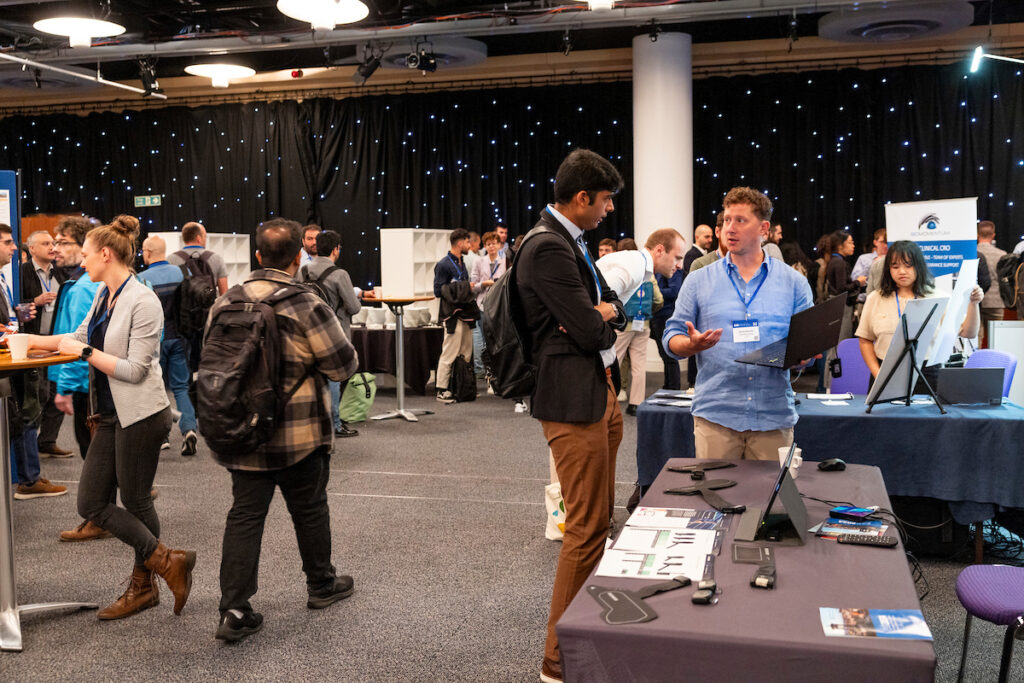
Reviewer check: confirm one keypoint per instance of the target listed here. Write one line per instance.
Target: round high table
(397, 306)
(10, 611)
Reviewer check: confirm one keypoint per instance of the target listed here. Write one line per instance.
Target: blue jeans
(478, 350)
(25, 457)
(335, 388)
(176, 377)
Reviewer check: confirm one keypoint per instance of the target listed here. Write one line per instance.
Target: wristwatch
(86, 352)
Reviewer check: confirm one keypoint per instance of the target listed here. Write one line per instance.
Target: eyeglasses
(62, 243)
(7, 241)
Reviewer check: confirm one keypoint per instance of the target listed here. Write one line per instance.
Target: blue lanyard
(898, 313)
(746, 304)
(455, 263)
(45, 280)
(494, 267)
(586, 256)
(94, 323)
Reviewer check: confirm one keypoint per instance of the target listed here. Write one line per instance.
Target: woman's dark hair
(793, 254)
(588, 172)
(836, 240)
(910, 254)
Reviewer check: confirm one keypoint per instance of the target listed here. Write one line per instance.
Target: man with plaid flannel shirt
(297, 457)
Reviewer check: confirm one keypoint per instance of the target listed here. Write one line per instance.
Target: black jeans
(124, 458)
(672, 374)
(52, 417)
(304, 487)
(80, 404)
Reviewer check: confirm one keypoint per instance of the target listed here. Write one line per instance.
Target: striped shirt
(314, 342)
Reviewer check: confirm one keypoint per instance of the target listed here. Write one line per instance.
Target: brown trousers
(584, 457)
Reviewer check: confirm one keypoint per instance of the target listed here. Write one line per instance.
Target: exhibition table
(423, 359)
(753, 634)
(10, 611)
(969, 457)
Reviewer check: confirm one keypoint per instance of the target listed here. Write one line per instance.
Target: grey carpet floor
(440, 523)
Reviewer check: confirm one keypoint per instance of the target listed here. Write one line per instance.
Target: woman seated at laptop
(905, 276)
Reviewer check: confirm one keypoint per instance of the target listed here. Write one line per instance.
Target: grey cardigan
(133, 335)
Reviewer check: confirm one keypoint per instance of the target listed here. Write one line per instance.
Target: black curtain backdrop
(829, 148)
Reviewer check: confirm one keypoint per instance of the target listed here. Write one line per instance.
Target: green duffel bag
(357, 399)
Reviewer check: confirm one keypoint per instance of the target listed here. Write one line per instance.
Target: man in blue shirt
(165, 280)
(458, 335)
(739, 410)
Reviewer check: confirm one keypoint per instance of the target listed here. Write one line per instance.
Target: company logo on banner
(946, 230)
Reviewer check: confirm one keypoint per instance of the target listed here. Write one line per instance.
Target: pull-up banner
(945, 229)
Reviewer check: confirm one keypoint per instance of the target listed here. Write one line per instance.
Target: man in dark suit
(702, 240)
(40, 283)
(570, 315)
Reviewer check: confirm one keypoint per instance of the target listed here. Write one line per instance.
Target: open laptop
(970, 385)
(811, 332)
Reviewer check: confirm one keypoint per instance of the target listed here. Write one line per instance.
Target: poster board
(10, 214)
(945, 229)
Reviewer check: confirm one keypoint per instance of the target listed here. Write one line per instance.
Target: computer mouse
(832, 465)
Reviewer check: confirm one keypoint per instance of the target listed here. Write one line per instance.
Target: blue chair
(995, 593)
(856, 376)
(988, 358)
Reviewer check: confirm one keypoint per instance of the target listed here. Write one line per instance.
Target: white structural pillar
(662, 182)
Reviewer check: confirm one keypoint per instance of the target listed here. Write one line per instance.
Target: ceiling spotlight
(422, 60)
(979, 53)
(79, 30)
(324, 15)
(147, 74)
(600, 5)
(366, 69)
(220, 74)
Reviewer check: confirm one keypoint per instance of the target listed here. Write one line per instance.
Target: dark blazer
(31, 288)
(689, 258)
(556, 288)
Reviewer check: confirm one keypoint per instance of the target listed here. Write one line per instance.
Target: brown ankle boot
(175, 567)
(142, 593)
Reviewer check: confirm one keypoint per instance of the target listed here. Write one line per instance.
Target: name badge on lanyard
(638, 324)
(745, 331)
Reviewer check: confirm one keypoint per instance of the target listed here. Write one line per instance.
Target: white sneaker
(622, 396)
(520, 406)
(445, 397)
(490, 389)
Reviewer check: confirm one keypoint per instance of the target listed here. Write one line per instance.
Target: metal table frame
(397, 307)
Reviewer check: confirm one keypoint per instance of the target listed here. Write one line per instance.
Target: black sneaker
(236, 625)
(188, 445)
(345, 431)
(446, 397)
(342, 588)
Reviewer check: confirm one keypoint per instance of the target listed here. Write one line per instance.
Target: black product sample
(628, 607)
(706, 588)
(764, 577)
(860, 539)
(707, 490)
(832, 465)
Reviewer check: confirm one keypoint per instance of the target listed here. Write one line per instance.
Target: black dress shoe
(631, 409)
(345, 432)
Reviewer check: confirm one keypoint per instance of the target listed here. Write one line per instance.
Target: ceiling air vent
(896, 22)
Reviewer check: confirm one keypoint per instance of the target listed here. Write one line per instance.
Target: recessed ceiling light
(79, 30)
(324, 15)
(220, 74)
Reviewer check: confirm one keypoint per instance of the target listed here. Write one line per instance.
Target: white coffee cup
(794, 466)
(378, 292)
(18, 344)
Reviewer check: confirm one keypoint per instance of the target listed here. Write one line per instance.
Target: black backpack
(512, 373)
(196, 294)
(1010, 271)
(463, 380)
(241, 400)
(317, 285)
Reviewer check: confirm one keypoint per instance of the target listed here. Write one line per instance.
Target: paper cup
(18, 344)
(378, 292)
(798, 459)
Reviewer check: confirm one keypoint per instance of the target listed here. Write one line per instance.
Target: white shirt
(625, 271)
(1019, 249)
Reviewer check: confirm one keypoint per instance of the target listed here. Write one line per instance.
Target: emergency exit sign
(147, 200)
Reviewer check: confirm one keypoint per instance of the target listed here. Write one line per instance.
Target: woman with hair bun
(120, 339)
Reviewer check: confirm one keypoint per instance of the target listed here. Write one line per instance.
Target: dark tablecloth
(754, 634)
(970, 457)
(376, 349)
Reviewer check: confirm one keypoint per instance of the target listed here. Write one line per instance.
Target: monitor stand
(785, 528)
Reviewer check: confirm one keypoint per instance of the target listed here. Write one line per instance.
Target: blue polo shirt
(736, 395)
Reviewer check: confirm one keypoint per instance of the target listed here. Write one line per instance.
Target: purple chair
(989, 358)
(995, 593)
(856, 376)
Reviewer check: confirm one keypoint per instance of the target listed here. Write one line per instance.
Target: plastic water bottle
(12, 324)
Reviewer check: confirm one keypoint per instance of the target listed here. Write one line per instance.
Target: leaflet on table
(830, 397)
(675, 518)
(673, 402)
(699, 541)
(832, 527)
(638, 564)
(874, 623)
(669, 393)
